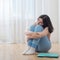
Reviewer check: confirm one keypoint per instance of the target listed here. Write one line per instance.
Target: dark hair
(47, 22)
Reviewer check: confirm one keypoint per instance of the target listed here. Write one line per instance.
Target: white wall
(49, 7)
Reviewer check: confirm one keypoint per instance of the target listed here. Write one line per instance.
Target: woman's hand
(31, 35)
(37, 22)
(28, 32)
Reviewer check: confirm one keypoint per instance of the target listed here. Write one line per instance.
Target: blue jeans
(42, 44)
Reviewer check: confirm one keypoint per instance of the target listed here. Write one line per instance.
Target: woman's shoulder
(47, 31)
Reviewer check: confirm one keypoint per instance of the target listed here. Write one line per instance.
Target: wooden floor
(14, 52)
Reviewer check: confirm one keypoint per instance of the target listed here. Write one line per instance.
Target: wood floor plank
(14, 52)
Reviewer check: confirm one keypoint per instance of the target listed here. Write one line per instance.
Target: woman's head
(45, 21)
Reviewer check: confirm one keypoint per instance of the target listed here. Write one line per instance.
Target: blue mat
(50, 55)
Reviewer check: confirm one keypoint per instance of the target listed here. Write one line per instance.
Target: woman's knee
(32, 28)
(38, 28)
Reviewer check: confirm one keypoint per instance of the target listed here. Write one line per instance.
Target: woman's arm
(45, 32)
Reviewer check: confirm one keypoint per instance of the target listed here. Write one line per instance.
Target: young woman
(38, 36)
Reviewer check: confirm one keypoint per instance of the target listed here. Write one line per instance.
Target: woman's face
(40, 20)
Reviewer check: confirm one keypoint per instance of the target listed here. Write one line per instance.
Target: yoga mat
(50, 55)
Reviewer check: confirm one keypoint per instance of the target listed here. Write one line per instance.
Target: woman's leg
(33, 43)
(44, 44)
(32, 28)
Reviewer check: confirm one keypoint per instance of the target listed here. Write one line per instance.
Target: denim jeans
(42, 44)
